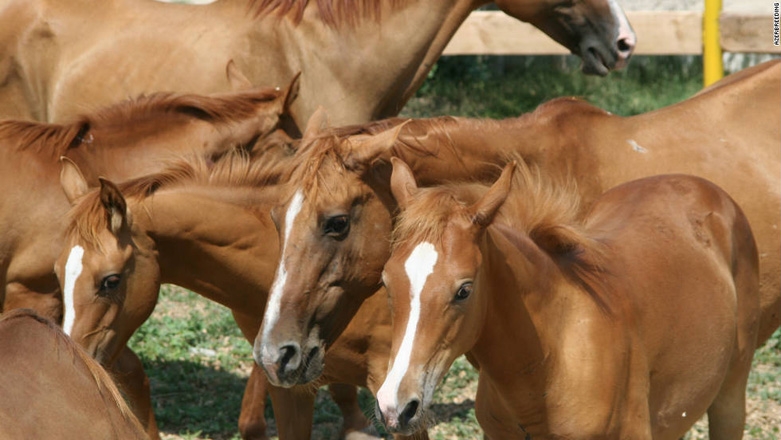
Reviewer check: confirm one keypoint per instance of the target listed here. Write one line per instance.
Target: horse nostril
(312, 353)
(409, 412)
(288, 355)
(625, 45)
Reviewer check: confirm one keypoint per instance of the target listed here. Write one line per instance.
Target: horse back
(686, 272)
(52, 389)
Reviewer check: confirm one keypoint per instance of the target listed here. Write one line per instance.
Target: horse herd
(599, 271)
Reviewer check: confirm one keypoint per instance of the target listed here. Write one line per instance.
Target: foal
(581, 329)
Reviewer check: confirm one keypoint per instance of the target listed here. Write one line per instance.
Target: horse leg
(727, 413)
(134, 383)
(356, 426)
(252, 420)
(420, 435)
(294, 411)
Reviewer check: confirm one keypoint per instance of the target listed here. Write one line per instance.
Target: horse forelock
(103, 380)
(331, 12)
(545, 211)
(427, 217)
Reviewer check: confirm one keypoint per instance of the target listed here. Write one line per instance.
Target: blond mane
(331, 12)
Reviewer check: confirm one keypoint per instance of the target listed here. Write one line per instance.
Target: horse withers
(629, 323)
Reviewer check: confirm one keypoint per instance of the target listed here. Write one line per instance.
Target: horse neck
(114, 153)
(452, 18)
(218, 242)
(529, 316)
(413, 37)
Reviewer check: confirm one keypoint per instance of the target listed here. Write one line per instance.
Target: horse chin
(595, 62)
(409, 429)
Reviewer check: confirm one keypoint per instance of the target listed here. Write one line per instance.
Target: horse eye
(337, 226)
(463, 291)
(110, 283)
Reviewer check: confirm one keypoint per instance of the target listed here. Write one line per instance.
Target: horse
(127, 139)
(206, 227)
(52, 389)
(587, 327)
(362, 60)
(338, 211)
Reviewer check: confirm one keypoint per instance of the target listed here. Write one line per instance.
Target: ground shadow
(189, 397)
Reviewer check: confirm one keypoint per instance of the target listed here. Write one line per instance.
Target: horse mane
(331, 12)
(56, 139)
(214, 109)
(545, 211)
(103, 380)
(88, 217)
(42, 137)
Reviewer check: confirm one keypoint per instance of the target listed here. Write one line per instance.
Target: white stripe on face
(275, 296)
(73, 268)
(419, 265)
(624, 28)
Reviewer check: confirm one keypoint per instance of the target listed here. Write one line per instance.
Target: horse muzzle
(289, 364)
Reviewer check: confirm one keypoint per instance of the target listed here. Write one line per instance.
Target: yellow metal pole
(713, 67)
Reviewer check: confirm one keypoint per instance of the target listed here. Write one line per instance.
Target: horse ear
(402, 182)
(72, 181)
(291, 92)
(483, 210)
(316, 124)
(114, 203)
(368, 148)
(237, 80)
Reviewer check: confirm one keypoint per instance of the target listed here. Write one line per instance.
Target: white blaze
(624, 28)
(418, 266)
(275, 297)
(73, 268)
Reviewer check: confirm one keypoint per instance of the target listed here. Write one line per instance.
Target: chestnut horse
(337, 208)
(131, 138)
(207, 228)
(582, 328)
(52, 389)
(362, 59)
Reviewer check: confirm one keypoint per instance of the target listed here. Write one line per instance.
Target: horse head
(103, 260)
(331, 221)
(431, 273)
(596, 30)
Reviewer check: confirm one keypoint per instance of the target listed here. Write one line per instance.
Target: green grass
(480, 86)
(198, 360)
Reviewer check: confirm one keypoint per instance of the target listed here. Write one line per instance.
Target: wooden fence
(658, 33)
